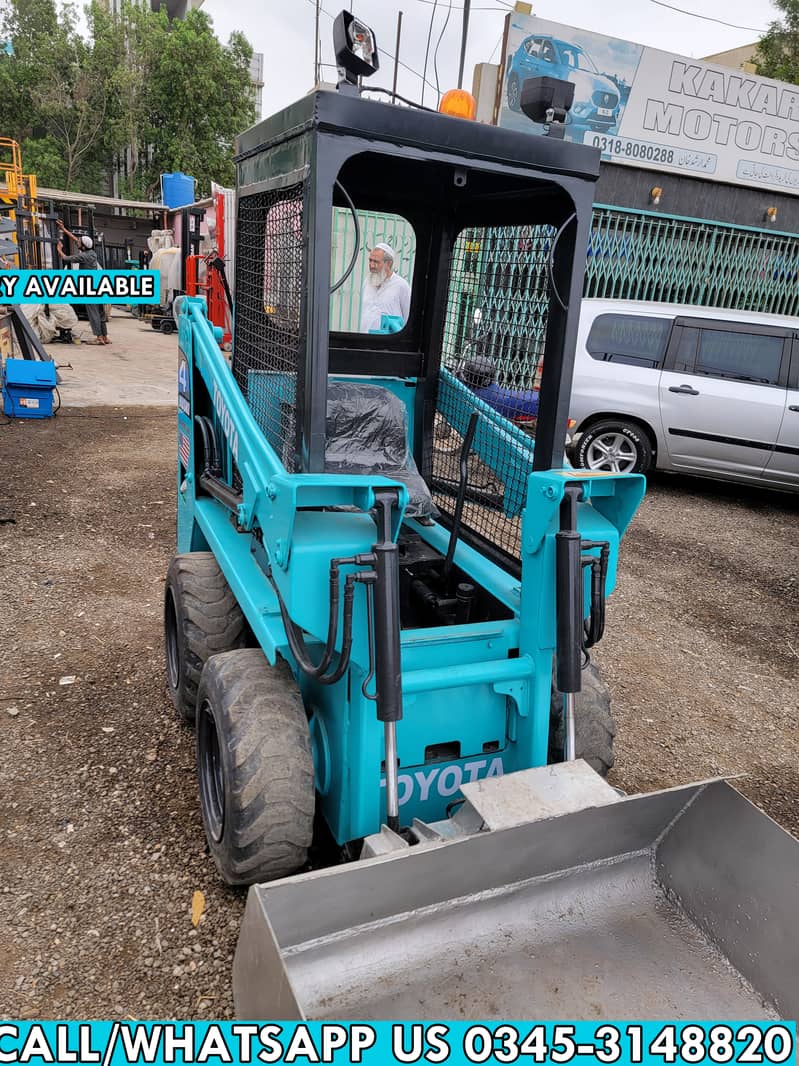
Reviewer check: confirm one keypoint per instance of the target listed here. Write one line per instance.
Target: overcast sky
(284, 31)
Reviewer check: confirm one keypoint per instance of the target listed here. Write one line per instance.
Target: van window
(741, 356)
(632, 339)
(685, 353)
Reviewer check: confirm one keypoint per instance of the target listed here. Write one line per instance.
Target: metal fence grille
(269, 285)
(634, 255)
(496, 322)
(499, 277)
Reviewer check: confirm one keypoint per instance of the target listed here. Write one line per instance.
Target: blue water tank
(177, 190)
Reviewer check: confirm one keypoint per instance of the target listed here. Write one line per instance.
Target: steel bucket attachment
(675, 904)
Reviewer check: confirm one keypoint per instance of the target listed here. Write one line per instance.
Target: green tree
(194, 97)
(777, 54)
(55, 95)
(137, 93)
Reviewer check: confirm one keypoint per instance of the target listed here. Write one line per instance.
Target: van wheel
(513, 93)
(619, 447)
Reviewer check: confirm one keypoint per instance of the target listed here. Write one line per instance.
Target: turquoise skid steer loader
(383, 643)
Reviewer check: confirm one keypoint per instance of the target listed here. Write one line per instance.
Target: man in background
(86, 258)
(384, 291)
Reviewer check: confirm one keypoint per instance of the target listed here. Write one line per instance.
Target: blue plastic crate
(28, 388)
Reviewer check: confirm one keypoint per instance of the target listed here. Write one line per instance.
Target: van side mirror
(547, 100)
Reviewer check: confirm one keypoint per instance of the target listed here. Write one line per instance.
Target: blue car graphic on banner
(596, 96)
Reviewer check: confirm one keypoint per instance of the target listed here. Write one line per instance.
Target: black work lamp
(547, 100)
(356, 50)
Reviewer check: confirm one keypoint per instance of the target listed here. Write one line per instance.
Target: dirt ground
(102, 848)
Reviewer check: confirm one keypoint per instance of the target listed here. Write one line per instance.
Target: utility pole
(316, 56)
(396, 51)
(464, 35)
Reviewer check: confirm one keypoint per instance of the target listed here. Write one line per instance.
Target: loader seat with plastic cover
(367, 433)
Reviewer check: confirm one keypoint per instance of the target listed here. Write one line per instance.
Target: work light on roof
(355, 46)
(548, 100)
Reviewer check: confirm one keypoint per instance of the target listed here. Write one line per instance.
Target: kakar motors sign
(652, 109)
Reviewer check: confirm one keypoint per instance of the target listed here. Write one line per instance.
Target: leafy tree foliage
(137, 94)
(777, 54)
(194, 98)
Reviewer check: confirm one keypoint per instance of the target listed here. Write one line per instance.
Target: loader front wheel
(594, 729)
(254, 767)
(201, 618)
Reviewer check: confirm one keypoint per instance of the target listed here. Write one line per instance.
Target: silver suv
(699, 390)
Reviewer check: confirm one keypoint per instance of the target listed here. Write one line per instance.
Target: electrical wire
(706, 18)
(438, 45)
(385, 51)
(496, 46)
(504, 6)
(551, 261)
(457, 8)
(396, 96)
(427, 49)
(357, 248)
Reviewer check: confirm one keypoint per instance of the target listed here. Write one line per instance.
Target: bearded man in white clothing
(384, 291)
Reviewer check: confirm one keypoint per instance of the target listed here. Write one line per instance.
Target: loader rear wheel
(594, 729)
(201, 618)
(254, 767)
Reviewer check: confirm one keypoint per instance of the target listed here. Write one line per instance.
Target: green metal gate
(640, 255)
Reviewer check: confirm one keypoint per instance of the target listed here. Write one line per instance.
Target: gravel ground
(702, 645)
(102, 848)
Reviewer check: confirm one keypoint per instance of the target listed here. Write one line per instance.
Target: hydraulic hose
(594, 625)
(210, 449)
(294, 633)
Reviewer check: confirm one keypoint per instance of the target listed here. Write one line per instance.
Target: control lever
(466, 447)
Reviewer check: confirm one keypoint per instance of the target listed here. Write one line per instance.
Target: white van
(699, 390)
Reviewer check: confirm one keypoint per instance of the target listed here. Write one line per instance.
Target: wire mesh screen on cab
(269, 285)
(496, 321)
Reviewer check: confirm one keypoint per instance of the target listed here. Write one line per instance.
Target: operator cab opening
(396, 348)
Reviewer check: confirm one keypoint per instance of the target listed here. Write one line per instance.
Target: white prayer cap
(386, 249)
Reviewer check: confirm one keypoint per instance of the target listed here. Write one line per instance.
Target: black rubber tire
(254, 768)
(594, 728)
(201, 619)
(514, 98)
(167, 327)
(632, 437)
